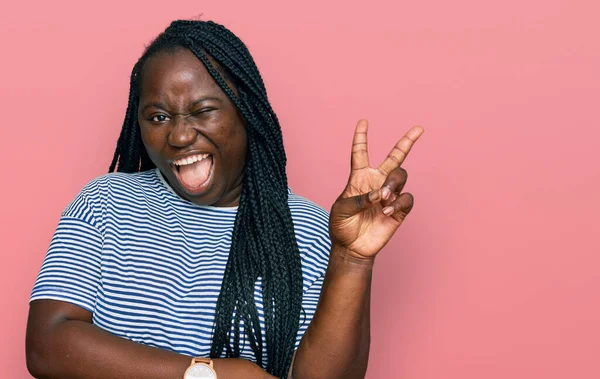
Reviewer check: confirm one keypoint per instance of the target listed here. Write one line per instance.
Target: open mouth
(194, 172)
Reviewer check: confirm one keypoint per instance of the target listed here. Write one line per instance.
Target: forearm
(336, 344)
(80, 350)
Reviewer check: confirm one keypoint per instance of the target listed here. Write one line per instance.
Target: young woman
(194, 259)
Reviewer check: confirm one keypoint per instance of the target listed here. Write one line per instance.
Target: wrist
(201, 368)
(343, 257)
(238, 368)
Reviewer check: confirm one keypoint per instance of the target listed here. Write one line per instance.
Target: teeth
(190, 160)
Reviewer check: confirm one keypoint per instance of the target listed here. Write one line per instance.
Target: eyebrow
(198, 101)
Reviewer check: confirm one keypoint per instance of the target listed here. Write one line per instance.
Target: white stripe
(150, 265)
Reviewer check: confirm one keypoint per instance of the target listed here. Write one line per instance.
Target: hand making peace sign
(372, 206)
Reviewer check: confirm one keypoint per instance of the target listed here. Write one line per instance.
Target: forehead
(176, 72)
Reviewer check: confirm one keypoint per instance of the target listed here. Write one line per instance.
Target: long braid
(263, 242)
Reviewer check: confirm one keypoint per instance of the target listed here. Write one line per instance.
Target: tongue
(195, 174)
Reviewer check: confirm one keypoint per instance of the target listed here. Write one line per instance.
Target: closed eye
(204, 110)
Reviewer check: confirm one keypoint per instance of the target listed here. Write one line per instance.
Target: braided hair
(263, 241)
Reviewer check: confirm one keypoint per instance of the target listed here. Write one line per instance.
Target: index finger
(401, 150)
(360, 152)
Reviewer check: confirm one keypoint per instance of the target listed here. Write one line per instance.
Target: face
(191, 130)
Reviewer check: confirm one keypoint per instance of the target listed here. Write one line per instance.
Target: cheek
(151, 139)
(230, 134)
(235, 154)
(239, 143)
(241, 138)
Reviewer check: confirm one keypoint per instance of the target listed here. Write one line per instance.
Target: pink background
(497, 272)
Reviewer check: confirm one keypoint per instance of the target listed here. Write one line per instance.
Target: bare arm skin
(336, 344)
(62, 343)
(362, 221)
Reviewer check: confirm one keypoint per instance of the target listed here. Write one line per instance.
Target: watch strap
(207, 361)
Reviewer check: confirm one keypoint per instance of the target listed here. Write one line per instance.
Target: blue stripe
(149, 265)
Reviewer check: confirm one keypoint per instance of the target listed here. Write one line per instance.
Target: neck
(231, 198)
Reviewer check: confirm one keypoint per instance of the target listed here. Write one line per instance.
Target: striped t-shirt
(149, 264)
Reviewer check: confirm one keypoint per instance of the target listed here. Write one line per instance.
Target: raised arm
(362, 221)
(63, 343)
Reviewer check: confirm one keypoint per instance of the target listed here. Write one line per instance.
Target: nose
(182, 133)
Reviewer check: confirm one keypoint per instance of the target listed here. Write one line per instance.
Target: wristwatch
(201, 368)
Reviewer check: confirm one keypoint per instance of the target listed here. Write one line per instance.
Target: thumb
(349, 206)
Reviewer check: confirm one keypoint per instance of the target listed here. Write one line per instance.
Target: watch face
(200, 371)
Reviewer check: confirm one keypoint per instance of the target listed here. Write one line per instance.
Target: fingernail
(385, 193)
(388, 211)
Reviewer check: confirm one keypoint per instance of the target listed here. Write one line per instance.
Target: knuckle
(393, 158)
(390, 183)
(398, 175)
(383, 171)
(410, 202)
(402, 173)
(335, 207)
(360, 201)
(403, 202)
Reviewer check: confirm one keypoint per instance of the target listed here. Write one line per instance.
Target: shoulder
(308, 217)
(130, 181)
(108, 188)
(120, 181)
(311, 226)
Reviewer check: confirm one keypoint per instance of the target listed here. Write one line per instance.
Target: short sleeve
(71, 270)
(311, 226)
(310, 300)
(312, 293)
